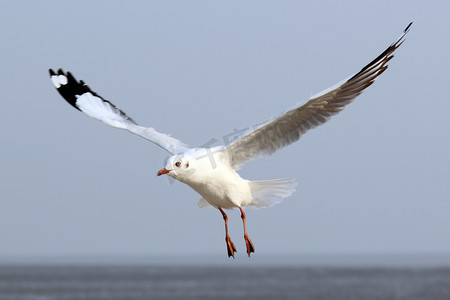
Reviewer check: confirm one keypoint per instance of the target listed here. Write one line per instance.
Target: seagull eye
(178, 164)
(187, 165)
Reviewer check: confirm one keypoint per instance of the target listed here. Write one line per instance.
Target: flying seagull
(212, 171)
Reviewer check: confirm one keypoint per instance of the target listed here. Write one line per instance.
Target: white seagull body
(212, 171)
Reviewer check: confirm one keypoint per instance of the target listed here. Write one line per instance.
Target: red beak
(163, 171)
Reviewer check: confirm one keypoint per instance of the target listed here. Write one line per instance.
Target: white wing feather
(82, 98)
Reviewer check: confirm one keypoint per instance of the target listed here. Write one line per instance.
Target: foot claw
(249, 244)
(231, 248)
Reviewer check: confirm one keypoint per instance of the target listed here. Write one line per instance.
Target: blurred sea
(232, 280)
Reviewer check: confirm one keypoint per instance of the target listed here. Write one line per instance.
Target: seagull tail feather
(267, 193)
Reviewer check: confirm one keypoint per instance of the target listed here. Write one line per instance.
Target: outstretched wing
(292, 124)
(80, 96)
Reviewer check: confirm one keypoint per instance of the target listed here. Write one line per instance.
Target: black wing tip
(407, 28)
(386, 55)
(60, 71)
(70, 89)
(400, 41)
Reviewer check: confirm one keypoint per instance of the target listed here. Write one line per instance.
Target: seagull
(212, 172)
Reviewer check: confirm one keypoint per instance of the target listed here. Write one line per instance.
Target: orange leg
(230, 246)
(248, 242)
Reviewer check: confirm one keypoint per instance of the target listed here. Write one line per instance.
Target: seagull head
(178, 166)
(194, 165)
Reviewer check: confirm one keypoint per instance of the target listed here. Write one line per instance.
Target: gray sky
(374, 179)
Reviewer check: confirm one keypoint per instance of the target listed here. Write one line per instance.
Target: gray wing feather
(292, 124)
